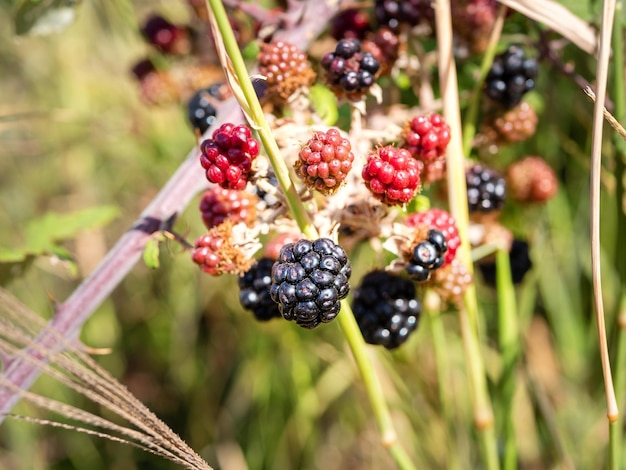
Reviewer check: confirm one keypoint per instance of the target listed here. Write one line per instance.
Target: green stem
(298, 211)
(615, 452)
(471, 115)
(508, 337)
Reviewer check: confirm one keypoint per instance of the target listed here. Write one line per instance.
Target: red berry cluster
(165, 36)
(442, 221)
(392, 175)
(227, 156)
(216, 254)
(426, 137)
(219, 204)
(325, 160)
(531, 179)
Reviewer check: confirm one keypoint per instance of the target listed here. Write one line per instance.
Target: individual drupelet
(350, 72)
(254, 290)
(512, 74)
(385, 308)
(309, 279)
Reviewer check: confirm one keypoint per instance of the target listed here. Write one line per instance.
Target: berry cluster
(254, 290)
(442, 221)
(426, 137)
(201, 111)
(386, 309)
(512, 74)
(473, 21)
(350, 72)
(325, 160)
(384, 45)
(427, 256)
(515, 125)
(308, 281)
(286, 69)
(227, 156)
(531, 179)
(392, 175)
(219, 204)
(486, 189)
(350, 23)
(216, 253)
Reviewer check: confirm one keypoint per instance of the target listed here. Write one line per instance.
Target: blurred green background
(74, 135)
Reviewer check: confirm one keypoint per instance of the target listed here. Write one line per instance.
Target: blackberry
(391, 175)
(349, 71)
(427, 256)
(350, 23)
(325, 160)
(286, 69)
(254, 290)
(531, 179)
(216, 253)
(309, 278)
(384, 45)
(486, 189)
(472, 22)
(165, 36)
(398, 13)
(227, 156)
(426, 137)
(440, 220)
(201, 111)
(386, 309)
(520, 264)
(219, 204)
(515, 125)
(451, 281)
(512, 74)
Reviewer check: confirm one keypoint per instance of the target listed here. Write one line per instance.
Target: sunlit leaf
(41, 17)
(324, 103)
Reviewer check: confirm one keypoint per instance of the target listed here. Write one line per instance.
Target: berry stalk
(457, 197)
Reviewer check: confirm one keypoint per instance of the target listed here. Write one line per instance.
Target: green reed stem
(471, 115)
(298, 211)
(508, 337)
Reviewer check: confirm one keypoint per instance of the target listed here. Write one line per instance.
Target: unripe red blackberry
(386, 309)
(442, 221)
(426, 137)
(227, 156)
(473, 21)
(512, 74)
(486, 189)
(309, 279)
(350, 23)
(384, 45)
(392, 175)
(165, 36)
(216, 254)
(531, 179)
(325, 160)
(398, 13)
(254, 290)
(286, 69)
(515, 125)
(219, 204)
(201, 112)
(349, 71)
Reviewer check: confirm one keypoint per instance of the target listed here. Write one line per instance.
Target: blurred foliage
(75, 137)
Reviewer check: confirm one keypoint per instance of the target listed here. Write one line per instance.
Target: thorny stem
(346, 318)
(457, 192)
(184, 184)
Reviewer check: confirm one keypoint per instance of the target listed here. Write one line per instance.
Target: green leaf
(324, 103)
(251, 50)
(151, 253)
(41, 234)
(41, 17)
(12, 255)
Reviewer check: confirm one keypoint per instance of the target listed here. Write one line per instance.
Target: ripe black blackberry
(349, 71)
(309, 278)
(201, 111)
(427, 255)
(254, 290)
(520, 264)
(486, 189)
(386, 309)
(512, 74)
(396, 13)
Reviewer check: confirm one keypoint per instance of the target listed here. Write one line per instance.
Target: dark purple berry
(254, 290)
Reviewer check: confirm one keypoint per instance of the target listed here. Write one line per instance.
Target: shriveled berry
(386, 309)
(392, 175)
(309, 278)
(227, 157)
